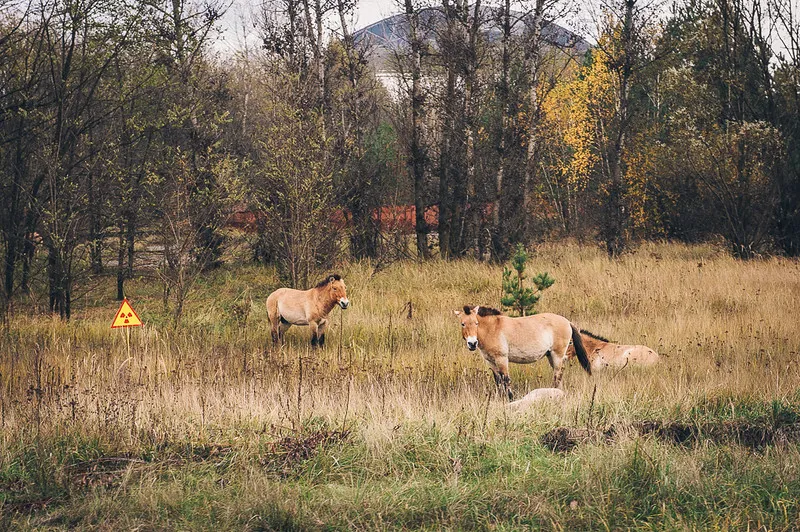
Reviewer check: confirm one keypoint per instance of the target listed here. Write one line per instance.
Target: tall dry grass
(727, 331)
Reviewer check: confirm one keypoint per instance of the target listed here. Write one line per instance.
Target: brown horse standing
(603, 354)
(502, 339)
(287, 307)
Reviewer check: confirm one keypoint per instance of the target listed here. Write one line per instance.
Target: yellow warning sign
(126, 316)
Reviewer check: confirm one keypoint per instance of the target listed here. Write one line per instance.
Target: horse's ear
(475, 310)
(331, 279)
(457, 312)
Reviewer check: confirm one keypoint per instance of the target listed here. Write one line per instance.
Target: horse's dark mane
(483, 311)
(595, 336)
(327, 280)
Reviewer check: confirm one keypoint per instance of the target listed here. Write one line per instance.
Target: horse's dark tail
(583, 358)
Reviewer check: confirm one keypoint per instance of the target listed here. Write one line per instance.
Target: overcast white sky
(236, 24)
(238, 15)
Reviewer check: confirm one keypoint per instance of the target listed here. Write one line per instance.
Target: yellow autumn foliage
(576, 112)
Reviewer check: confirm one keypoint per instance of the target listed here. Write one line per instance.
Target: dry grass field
(394, 424)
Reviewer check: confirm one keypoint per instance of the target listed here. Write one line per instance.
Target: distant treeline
(121, 123)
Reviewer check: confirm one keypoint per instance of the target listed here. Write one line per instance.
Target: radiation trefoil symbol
(126, 316)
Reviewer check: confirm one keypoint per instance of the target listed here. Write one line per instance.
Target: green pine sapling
(516, 296)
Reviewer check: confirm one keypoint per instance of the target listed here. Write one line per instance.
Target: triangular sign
(126, 316)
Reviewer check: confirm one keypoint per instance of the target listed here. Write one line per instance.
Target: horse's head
(336, 290)
(469, 326)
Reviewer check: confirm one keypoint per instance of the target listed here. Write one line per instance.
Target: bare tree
(534, 54)
(462, 55)
(409, 65)
(785, 16)
(499, 243)
(182, 218)
(625, 47)
(76, 71)
(471, 64)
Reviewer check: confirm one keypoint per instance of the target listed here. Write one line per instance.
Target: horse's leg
(274, 318)
(278, 331)
(505, 380)
(314, 326)
(558, 359)
(281, 333)
(557, 363)
(498, 382)
(321, 328)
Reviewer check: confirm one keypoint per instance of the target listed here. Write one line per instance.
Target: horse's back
(619, 356)
(537, 325)
(288, 294)
(540, 320)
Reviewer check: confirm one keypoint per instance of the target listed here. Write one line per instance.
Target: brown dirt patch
(755, 435)
(289, 451)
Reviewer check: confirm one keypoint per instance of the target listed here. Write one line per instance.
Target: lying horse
(502, 339)
(287, 307)
(603, 354)
(536, 396)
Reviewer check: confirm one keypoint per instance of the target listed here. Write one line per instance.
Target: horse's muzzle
(344, 303)
(472, 345)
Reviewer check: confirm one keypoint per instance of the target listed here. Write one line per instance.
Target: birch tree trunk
(534, 65)
(470, 82)
(615, 216)
(499, 243)
(416, 158)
